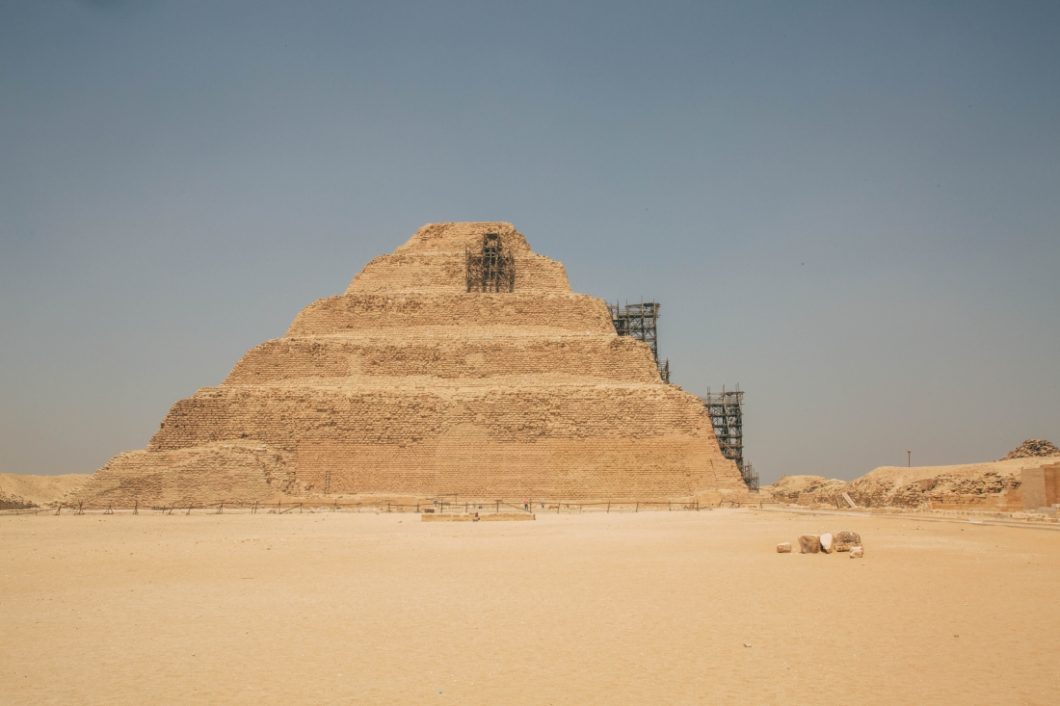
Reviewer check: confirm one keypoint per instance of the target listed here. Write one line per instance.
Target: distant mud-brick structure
(460, 364)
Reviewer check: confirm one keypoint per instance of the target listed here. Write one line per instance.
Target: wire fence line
(436, 506)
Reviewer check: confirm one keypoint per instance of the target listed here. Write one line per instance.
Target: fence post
(497, 511)
(609, 506)
(637, 508)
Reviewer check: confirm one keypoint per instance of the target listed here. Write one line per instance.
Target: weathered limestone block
(826, 542)
(857, 552)
(845, 540)
(809, 544)
(784, 548)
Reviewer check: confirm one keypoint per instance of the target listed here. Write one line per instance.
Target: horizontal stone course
(451, 357)
(372, 311)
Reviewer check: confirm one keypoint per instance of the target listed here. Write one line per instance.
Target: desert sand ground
(648, 608)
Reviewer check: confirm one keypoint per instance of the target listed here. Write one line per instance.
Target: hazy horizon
(851, 210)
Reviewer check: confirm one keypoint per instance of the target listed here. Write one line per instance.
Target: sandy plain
(621, 608)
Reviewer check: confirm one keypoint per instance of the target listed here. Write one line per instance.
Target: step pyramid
(462, 364)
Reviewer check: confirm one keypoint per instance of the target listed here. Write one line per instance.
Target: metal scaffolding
(726, 415)
(490, 269)
(641, 322)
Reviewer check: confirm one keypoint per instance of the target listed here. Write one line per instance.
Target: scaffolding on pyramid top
(490, 268)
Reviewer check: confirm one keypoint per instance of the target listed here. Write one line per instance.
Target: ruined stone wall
(1040, 486)
(210, 473)
(408, 384)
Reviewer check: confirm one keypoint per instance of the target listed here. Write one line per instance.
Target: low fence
(436, 506)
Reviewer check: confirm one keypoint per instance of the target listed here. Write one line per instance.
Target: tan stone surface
(407, 384)
(648, 608)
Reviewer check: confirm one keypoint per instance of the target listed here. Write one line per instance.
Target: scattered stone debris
(844, 541)
(809, 544)
(1033, 448)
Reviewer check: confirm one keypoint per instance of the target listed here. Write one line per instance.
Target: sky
(850, 209)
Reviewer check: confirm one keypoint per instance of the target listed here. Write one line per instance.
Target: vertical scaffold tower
(726, 415)
(641, 322)
(490, 269)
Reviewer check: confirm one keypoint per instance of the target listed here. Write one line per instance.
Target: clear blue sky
(850, 208)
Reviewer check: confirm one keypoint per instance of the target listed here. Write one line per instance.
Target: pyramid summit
(461, 363)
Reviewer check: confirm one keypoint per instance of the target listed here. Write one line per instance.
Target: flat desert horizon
(620, 608)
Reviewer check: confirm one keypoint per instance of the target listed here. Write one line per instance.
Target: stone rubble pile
(1033, 448)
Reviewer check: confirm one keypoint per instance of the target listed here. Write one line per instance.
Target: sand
(648, 608)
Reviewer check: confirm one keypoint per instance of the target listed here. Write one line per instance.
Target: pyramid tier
(366, 312)
(586, 441)
(444, 354)
(445, 272)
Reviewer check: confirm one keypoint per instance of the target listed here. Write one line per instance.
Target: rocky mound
(1033, 448)
(985, 484)
(817, 489)
(20, 491)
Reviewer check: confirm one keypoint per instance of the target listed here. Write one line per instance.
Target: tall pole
(908, 458)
